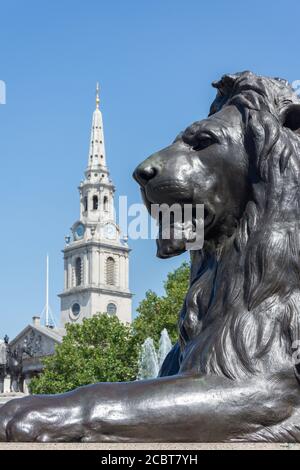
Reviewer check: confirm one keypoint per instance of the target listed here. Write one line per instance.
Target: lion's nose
(143, 173)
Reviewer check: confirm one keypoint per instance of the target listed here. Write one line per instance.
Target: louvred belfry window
(95, 203)
(105, 203)
(78, 272)
(110, 271)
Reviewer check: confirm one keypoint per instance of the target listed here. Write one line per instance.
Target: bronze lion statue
(233, 376)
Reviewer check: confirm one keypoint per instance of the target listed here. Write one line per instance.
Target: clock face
(110, 232)
(79, 231)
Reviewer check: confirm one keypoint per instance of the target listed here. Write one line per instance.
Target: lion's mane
(241, 314)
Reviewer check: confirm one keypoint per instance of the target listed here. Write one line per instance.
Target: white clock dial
(110, 232)
(79, 231)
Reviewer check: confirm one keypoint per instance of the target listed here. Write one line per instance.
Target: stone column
(6, 385)
(101, 268)
(126, 272)
(122, 272)
(97, 267)
(70, 273)
(91, 279)
(26, 383)
(86, 268)
(66, 274)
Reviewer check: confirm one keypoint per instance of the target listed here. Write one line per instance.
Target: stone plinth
(5, 397)
(139, 446)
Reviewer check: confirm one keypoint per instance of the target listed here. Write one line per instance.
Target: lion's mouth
(181, 236)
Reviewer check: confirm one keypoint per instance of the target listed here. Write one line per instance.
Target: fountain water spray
(148, 362)
(165, 347)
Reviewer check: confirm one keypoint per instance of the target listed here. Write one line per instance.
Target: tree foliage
(157, 313)
(101, 349)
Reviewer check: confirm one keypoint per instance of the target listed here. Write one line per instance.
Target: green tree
(101, 349)
(157, 313)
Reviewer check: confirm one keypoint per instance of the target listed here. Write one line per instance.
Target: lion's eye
(203, 143)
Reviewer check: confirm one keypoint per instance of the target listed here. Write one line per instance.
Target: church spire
(96, 259)
(97, 158)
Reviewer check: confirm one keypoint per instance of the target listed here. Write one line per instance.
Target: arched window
(105, 203)
(95, 203)
(110, 271)
(78, 272)
(85, 203)
(111, 309)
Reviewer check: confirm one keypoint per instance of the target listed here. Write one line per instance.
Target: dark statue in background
(15, 367)
(11, 364)
(233, 376)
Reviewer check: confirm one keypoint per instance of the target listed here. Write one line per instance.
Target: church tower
(96, 261)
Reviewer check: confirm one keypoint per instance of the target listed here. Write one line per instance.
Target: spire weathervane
(97, 96)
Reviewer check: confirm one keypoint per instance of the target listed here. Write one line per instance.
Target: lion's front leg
(54, 418)
(9, 414)
(69, 417)
(168, 409)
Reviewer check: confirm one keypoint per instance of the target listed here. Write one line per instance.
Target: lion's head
(243, 163)
(206, 164)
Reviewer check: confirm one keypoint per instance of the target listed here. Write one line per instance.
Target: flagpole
(47, 290)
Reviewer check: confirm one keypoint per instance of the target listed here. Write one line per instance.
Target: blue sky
(155, 61)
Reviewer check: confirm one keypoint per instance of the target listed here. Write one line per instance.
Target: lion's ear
(291, 118)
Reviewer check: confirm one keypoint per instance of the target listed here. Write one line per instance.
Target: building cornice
(92, 243)
(97, 290)
(96, 184)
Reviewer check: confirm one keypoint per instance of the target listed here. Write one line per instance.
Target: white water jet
(148, 363)
(165, 346)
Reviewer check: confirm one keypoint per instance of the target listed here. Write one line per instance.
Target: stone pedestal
(161, 447)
